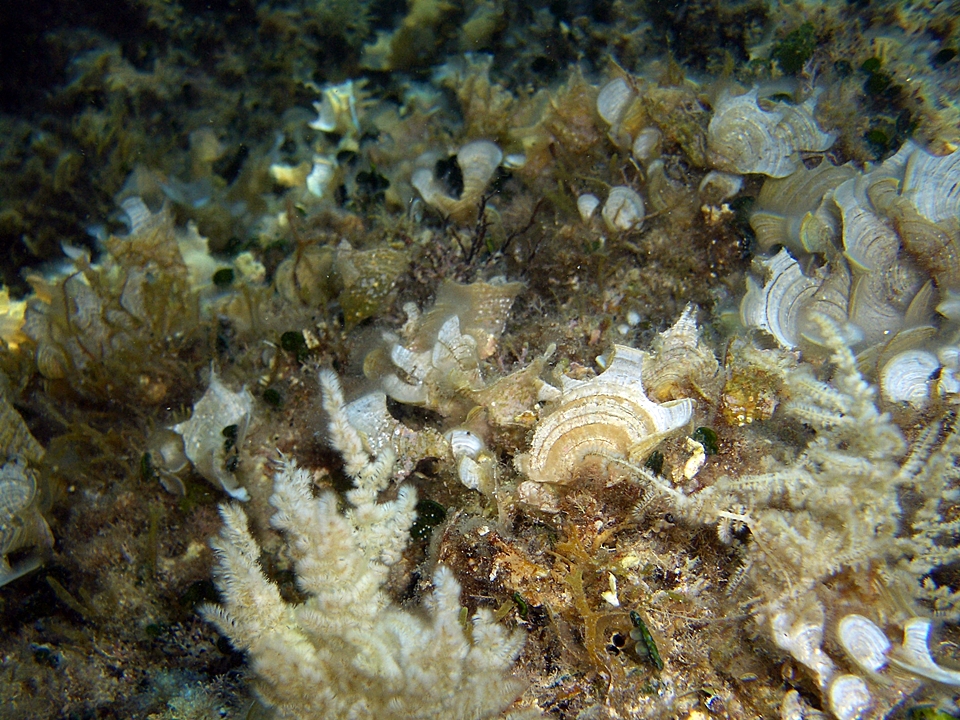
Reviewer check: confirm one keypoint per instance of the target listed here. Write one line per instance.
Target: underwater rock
(214, 433)
(608, 418)
(744, 138)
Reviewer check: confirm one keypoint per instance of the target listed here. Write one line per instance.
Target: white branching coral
(348, 652)
(841, 504)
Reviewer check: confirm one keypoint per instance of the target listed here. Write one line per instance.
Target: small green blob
(45, 655)
(153, 630)
(876, 83)
(878, 140)
(843, 68)
(646, 648)
(147, 471)
(273, 398)
(708, 438)
(871, 65)
(293, 342)
(429, 515)
(943, 57)
(223, 277)
(654, 463)
(793, 52)
(522, 607)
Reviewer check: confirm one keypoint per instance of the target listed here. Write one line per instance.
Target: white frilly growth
(347, 651)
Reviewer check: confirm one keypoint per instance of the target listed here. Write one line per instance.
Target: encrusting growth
(348, 652)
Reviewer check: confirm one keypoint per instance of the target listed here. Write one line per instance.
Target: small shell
(914, 654)
(865, 643)
(479, 473)
(744, 138)
(587, 205)
(203, 434)
(368, 278)
(432, 377)
(907, 377)
(613, 100)
(608, 417)
(718, 186)
(464, 443)
(779, 305)
(880, 301)
(849, 697)
(15, 437)
(478, 162)
(646, 145)
(623, 209)
(934, 248)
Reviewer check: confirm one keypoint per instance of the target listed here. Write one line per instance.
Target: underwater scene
(466, 359)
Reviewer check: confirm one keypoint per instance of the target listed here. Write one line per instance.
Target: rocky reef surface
(480, 359)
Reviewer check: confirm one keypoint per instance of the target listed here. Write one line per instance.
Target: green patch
(943, 57)
(793, 52)
(708, 438)
(223, 277)
(523, 608)
(230, 433)
(293, 342)
(273, 398)
(646, 648)
(429, 515)
(654, 463)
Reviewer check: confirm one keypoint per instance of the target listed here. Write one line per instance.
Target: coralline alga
(348, 652)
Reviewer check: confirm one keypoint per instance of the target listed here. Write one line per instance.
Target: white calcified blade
(864, 642)
(413, 364)
(933, 183)
(672, 415)
(778, 306)
(914, 655)
(403, 392)
(868, 242)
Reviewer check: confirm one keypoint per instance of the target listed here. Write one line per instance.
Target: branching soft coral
(348, 652)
